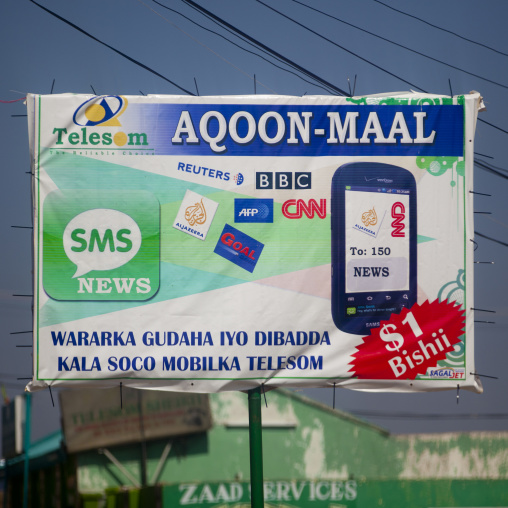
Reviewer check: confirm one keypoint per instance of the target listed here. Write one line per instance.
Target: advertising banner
(219, 243)
(92, 419)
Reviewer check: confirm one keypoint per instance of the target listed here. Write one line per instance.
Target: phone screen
(376, 249)
(374, 244)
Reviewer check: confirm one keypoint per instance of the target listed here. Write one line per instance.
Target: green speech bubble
(101, 245)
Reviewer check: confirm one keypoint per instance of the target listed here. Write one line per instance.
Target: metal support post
(26, 446)
(256, 448)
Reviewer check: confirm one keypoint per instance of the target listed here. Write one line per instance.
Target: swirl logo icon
(195, 215)
(370, 218)
(98, 127)
(101, 111)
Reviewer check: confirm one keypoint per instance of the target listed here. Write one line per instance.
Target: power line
(338, 45)
(202, 44)
(401, 45)
(486, 167)
(494, 166)
(342, 92)
(440, 28)
(15, 100)
(490, 238)
(368, 61)
(492, 125)
(111, 47)
(272, 51)
(237, 45)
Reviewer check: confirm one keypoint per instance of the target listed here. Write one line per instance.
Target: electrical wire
(486, 167)
(238, 33)
(481, 235)
(495, 221)
(286, 60)
(368, 61)
(10, 102)
(442, 29)
(4, 375)
(493, 166)
(238, 46)
(400, 45)
(338, 45)
(264, 49)
(203, 45)
(143, 66)
(492, 125)
(498, 172)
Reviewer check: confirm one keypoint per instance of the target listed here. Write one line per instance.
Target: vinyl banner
(219, 243)
(92, 419)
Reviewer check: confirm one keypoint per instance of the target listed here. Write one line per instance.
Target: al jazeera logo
(369, 218)
(195, 215)
(99, 127)
(370, 223)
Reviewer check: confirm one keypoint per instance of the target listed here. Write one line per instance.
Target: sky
(165, 52)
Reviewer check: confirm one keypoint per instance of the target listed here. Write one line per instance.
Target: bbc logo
(283, 180)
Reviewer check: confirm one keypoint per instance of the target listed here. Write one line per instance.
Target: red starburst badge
(410, 342)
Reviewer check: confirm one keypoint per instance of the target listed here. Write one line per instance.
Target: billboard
(94, 418)
(219, 243)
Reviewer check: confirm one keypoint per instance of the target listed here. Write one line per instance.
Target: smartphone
(374, 234)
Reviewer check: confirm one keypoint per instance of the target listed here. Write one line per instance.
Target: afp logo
(101, 111)
(253, 210)
(283, 180)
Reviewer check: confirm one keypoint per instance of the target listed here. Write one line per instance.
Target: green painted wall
(349, 494)
(315, 442)
(432, 493)
(480, 455)
(306, 446)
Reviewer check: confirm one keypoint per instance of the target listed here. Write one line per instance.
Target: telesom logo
(100, 112)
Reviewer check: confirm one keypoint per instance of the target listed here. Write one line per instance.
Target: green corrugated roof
(46, 445)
